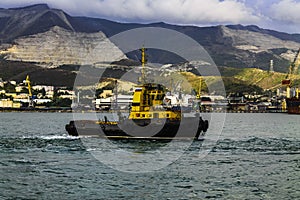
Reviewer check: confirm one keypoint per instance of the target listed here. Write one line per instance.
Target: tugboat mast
(143, 60)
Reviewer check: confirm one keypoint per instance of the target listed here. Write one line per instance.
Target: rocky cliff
(59, 46)
(243, 48)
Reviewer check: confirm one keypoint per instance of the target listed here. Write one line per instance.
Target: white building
(45, 87)
(71, 92)
(120, 101)
(13, 82)
(67, 96)
(42, 101)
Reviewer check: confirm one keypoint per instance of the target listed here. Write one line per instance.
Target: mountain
(50, 38)
(232, 45)
(16, 22)
(59, 46)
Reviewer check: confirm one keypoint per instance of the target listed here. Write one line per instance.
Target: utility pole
(271, 66)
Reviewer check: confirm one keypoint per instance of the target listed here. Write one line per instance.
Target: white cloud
(274, 14)
(287, 11)
(172, 11)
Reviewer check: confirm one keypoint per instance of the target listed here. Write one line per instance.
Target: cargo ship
(292, 101)
(149, 118)
(293, 105)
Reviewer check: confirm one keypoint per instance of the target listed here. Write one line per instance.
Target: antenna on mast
(143, 61)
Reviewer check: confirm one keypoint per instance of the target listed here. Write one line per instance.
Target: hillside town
(14, 95)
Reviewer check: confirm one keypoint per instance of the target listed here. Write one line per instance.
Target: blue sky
(281, 15)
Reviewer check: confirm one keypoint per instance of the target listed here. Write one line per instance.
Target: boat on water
(150, 117)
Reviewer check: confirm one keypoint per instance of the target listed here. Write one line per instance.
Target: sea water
(256, 156)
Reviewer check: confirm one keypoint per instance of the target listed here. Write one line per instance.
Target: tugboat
(149, 118)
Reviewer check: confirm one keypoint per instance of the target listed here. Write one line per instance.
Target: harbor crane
(293, 70)
(198, 96)
(290, 76)
(30, 97)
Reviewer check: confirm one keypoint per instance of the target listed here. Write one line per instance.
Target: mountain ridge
(215, 39)
(235, 46)
(281, 35)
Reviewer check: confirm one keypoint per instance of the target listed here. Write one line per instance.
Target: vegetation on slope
(257, 77)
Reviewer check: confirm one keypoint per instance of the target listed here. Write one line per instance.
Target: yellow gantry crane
(29, 86)
(199, 89)
(27, 81)
(290, 76)
(293, 70)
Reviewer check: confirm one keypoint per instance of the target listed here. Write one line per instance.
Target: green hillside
(246, 80)
(264, 79)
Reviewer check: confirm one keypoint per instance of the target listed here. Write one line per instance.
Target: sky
(280, 15)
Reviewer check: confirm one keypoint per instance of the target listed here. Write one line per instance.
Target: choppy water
(256, 157)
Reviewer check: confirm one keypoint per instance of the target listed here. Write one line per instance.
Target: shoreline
(26, 109)
(70, 110)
